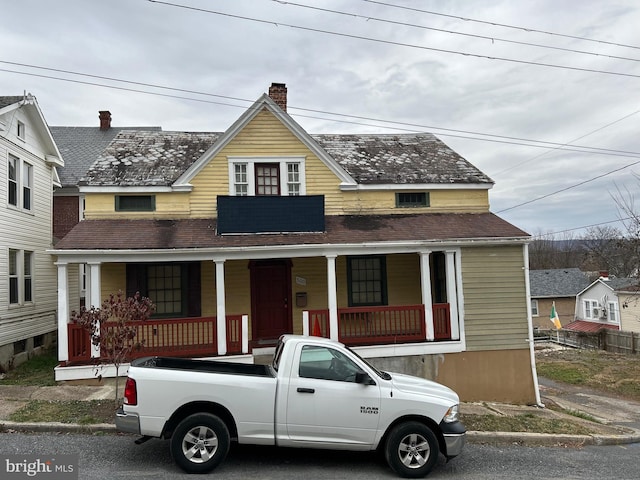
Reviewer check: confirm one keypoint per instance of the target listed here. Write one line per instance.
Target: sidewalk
(620, 419)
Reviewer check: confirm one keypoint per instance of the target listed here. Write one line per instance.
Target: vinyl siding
(173, 205)
(27, 230)
(495, 300)
(629, 315)
(264, 136)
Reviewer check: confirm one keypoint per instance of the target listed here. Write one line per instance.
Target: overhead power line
(442, 131)
(496, 24)
(389, 42)
(570, 187)
(492, 39)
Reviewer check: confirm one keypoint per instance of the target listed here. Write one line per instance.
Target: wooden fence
(614, 341)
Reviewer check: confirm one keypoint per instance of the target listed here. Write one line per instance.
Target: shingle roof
(10, 100)
(145, 158)
(561, 282)
(159, 158)
(81, 146)
(400, 159)
(201, 233)
(620, 283)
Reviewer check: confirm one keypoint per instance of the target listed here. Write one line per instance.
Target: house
(557, 286)
(28, 300)
(384, 242)
(598, 305)
(80, 147)
(629, 300)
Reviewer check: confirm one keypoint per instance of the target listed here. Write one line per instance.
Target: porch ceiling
(201, 233)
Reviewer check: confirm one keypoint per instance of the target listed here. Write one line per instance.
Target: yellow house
(384, 242)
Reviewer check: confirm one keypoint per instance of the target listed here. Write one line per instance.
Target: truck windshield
(383, 375)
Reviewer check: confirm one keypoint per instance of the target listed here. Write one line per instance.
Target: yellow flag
(554, 317)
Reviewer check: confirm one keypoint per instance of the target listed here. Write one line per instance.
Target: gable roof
(30, 104)
(172, 159)
(560, 282)
(400, 159)
(265, 102)
(81, 146)
(612, 283)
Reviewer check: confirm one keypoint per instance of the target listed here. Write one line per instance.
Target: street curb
(548, 440)
(42, 427)
(474, 437)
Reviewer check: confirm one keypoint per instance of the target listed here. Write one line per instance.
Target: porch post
(332, 299)
(221, 315)
(94, 298)
(425, 274)
(63, 312)
(452, 295)
(94, 286)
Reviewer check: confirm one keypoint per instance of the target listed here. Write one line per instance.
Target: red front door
(270, 300)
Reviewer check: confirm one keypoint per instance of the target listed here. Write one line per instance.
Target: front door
(270, 300)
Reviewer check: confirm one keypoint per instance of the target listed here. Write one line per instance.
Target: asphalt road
(117, 457)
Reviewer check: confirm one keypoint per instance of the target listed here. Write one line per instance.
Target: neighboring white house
(598, 306)
(28, 276)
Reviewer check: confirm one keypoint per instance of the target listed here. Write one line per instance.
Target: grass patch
(80, 412)
(578, 414)
(608, 372)
(38, 370)
(526, 422)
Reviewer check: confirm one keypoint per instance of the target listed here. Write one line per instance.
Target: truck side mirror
(364, 378)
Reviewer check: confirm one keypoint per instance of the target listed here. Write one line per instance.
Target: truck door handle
(306, 390)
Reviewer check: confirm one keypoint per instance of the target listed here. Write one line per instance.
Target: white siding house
(598, 305)
(28, 276)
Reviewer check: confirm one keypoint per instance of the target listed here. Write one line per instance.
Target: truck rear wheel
(412, 449)
(200, 443)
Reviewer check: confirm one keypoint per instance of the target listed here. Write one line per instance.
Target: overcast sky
(491, 92)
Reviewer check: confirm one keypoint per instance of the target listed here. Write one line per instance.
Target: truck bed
(210, 366)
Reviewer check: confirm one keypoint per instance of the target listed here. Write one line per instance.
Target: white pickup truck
(317, 393)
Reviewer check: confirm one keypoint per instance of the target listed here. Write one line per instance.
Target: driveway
(608, 409)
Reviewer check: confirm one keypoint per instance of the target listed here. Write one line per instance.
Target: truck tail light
(130, 392)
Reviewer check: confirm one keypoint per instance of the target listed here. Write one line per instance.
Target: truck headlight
(452, 414)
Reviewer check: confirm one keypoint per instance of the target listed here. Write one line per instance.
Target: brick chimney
(105, 119)
(278, 93)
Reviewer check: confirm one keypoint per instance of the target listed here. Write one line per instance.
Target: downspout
(534, 372)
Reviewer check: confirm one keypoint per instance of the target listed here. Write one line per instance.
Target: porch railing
(381, 325)
(182, 337)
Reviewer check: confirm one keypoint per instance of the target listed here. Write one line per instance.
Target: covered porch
(197, 337)
(421, 301)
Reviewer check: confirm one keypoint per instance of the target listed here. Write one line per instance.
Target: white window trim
(21, 131)
(21, 277)
(535, 311)
(21, 184)
(251, 164)
(588, 305)
(612, 308)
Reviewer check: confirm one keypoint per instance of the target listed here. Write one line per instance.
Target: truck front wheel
(200, 443)
(411, 449)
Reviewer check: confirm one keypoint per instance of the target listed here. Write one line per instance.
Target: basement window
(135, 203)
(412, 199)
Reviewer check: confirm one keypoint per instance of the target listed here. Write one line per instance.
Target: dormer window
(266, 176)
